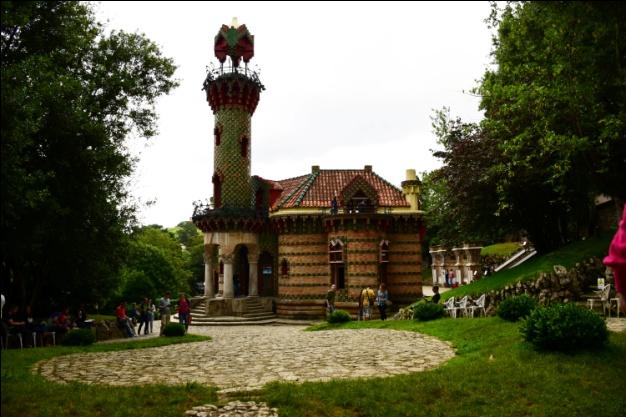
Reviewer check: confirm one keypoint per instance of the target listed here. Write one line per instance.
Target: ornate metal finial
(234, 41)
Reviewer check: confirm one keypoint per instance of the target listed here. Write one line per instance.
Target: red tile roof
(317, 189)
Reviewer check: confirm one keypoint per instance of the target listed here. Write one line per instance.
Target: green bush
(79, 337)
(174, 329)
(427, 311)
(339, 316)
(564, 327)
(515, 308)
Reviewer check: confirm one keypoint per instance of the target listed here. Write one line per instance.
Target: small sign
(267, 270)
(600, 283)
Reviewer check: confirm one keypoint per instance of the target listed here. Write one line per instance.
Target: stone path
(616, 325)
(243, 358)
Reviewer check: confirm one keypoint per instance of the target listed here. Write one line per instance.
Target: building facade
(286, 241)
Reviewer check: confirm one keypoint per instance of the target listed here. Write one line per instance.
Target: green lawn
(494, 374)
(518, 381)
(27, 394)
(500, 249)
(567, 256)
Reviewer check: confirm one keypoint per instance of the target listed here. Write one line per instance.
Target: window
(360, 203)
(217, 131)
(384, 251)
(335, 251)
(244, 146)
(335, 258)
(284, 267)
(217, 191)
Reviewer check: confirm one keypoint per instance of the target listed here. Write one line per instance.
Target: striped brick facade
(301, 292)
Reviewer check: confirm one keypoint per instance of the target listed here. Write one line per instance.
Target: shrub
(79, 337)
(564, 327)
(174, 329)
(339, 316)
(515, 308)
(427, 311)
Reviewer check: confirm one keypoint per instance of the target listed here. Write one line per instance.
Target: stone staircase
(254, 314)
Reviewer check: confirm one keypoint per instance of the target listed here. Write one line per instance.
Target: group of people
(367, 300)
(145, 313)
(22, 322)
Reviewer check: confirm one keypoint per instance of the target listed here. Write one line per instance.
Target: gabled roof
(318, 188)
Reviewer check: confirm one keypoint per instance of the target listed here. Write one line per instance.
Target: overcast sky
(347, 85)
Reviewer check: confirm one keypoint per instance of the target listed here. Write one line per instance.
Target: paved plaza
(241, 358)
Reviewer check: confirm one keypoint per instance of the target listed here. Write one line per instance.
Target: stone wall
(553, 287)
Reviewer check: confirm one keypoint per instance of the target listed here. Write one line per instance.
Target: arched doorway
(266, 275)
(241, 271)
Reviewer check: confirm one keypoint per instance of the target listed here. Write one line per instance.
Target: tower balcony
(231, 86)
(224, 219)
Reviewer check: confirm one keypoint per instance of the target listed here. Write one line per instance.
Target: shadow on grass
(25, 393)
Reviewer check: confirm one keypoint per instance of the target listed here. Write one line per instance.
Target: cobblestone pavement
(247, 357)
(616, 325)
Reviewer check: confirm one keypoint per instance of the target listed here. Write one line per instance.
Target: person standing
(382, 298)
(367, 301)
(616, 259)
(143, 316)
(183, 311)
(330, 299)
(164, 308)
(151, 312)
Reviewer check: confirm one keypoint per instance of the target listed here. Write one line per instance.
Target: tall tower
(233, 94)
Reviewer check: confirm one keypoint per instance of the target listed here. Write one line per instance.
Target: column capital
(227, 258)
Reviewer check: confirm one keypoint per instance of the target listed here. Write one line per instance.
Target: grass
(30, 395)
(500, 249)
(517, 381)
(567, 256)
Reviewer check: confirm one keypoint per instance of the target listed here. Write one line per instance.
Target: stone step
(259, 315)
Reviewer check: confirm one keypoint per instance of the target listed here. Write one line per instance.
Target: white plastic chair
(462, 306)
(479, 305)
(602, 298)
(450, 307)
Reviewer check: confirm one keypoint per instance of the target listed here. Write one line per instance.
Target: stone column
(209, 291)
(229, 289)
(253, 287)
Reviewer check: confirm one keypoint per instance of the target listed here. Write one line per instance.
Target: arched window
(335, 251)
(384, 260)
(337, 268)
(284, 267)
(244, 146)
(384, 251)
(217, 131)
(217, 191)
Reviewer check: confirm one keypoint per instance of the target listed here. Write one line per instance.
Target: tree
(460, 197)
(156, 262)
(70, 96)
(555, 105)
(193, 241)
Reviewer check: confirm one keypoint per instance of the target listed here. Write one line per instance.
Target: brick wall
(301, 293)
